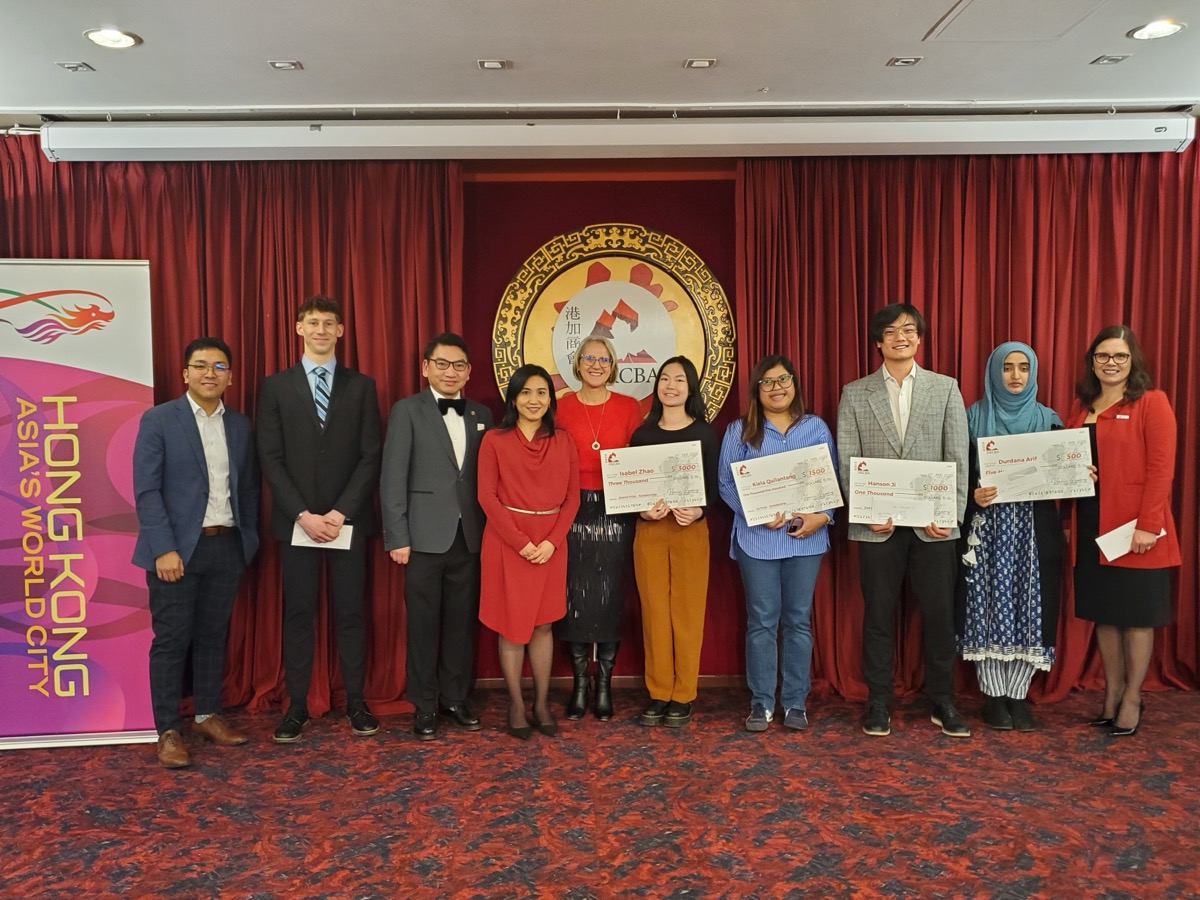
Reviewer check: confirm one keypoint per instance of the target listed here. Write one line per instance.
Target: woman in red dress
(529, 490)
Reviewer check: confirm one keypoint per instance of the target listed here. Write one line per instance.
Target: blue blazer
(170, 482)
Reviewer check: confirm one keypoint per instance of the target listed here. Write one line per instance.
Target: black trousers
(931, 568)
(441, 592)
(301, 589)
(193, 611)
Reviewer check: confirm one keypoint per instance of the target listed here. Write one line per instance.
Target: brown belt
(213, 530)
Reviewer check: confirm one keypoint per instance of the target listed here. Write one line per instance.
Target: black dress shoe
(1101, 721)
(548, 727)
(1118, 731)
(951, 722)
(290, 728)
(361, 720)
(425, 726)
(461, 716)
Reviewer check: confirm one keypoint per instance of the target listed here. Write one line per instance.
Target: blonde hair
(609, 349)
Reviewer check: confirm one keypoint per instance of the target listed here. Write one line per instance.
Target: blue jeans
(778, 592)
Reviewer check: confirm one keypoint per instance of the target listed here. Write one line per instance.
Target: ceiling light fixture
(699, 63)
(285, 65)
(1110, 60)
(76, 66)
(493, 65)
(112, 38)
(905, 62)
(1154, 30)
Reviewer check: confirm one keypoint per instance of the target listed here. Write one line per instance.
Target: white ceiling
(595, 58)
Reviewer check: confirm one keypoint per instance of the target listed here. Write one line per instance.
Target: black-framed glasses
(1119, 358)
(781, 380)
(460, 365)
(603, 360)
(201, 367)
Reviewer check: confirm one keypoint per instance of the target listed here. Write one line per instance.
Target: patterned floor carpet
(608, 810)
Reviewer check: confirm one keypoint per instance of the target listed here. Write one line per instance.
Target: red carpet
(617, 809)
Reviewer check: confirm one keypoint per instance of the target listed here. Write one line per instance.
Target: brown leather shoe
(215, 729)
(171, 751)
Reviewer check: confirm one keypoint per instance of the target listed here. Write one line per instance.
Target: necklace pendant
(595, 445)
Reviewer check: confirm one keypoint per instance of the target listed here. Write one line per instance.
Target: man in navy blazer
(195, 482)
(319, 444)
(433, 525)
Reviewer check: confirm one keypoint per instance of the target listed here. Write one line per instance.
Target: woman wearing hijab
(1013, 558)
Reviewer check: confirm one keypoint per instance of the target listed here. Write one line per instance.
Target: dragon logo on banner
(651, 295)
(46, 316)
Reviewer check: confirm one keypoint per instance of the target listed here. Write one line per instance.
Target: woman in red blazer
(1133, 446)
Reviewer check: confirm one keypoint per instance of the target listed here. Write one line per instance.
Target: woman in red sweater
(1133, 447)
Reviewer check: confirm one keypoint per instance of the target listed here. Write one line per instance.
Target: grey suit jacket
(937, 430)
(423, 493)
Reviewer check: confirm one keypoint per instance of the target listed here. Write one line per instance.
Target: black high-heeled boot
(605, 656)
(577, 705)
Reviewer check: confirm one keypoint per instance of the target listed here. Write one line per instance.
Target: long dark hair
(516, 384)
(693, 406)
(1087, 389)
(752, 422)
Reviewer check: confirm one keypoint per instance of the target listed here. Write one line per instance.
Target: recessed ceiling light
(699, 63)
(905, 62)
(76, 66)
(1160, 29)
(492, 65)
(1111, 60)
(112, 38)
(285, 65)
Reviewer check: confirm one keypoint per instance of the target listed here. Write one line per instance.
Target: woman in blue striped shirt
(779, 560)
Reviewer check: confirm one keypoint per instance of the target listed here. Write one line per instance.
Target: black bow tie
(459, 405)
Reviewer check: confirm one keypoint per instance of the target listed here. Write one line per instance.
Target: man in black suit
(432, 523)
(319, 442)
(196, 486)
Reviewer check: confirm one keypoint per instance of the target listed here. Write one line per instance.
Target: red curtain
(1043, 249)
(234, 248)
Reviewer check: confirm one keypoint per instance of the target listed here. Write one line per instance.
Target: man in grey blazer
(319, 443)
(902, 411)
(433, 525)
(195, 483)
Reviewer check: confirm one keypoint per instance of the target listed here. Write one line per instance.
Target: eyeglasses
(201, 367)
(781, 380)
(460, 365)
(603, 360)
(1104, 358)
(908, 331)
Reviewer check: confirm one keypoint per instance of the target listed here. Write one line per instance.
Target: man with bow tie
(433, 525)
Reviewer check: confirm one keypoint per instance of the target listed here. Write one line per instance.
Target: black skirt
(1115, 595)
(598, 554)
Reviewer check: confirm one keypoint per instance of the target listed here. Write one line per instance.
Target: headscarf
(1000, 411)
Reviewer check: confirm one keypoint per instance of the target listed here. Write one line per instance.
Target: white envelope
(1117, 542)
(341, 542)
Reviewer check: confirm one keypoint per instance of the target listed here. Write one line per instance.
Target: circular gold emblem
(647, 292)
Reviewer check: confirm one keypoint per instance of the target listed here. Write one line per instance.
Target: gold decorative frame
(569, 250)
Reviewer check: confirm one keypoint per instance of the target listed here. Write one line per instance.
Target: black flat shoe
(1123, 732)
(549, 728)
(1101, 722)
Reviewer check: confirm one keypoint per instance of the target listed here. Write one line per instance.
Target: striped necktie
(322, 393)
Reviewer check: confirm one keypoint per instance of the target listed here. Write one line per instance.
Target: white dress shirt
(456, 427)
(216, 456)
(900, 396)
